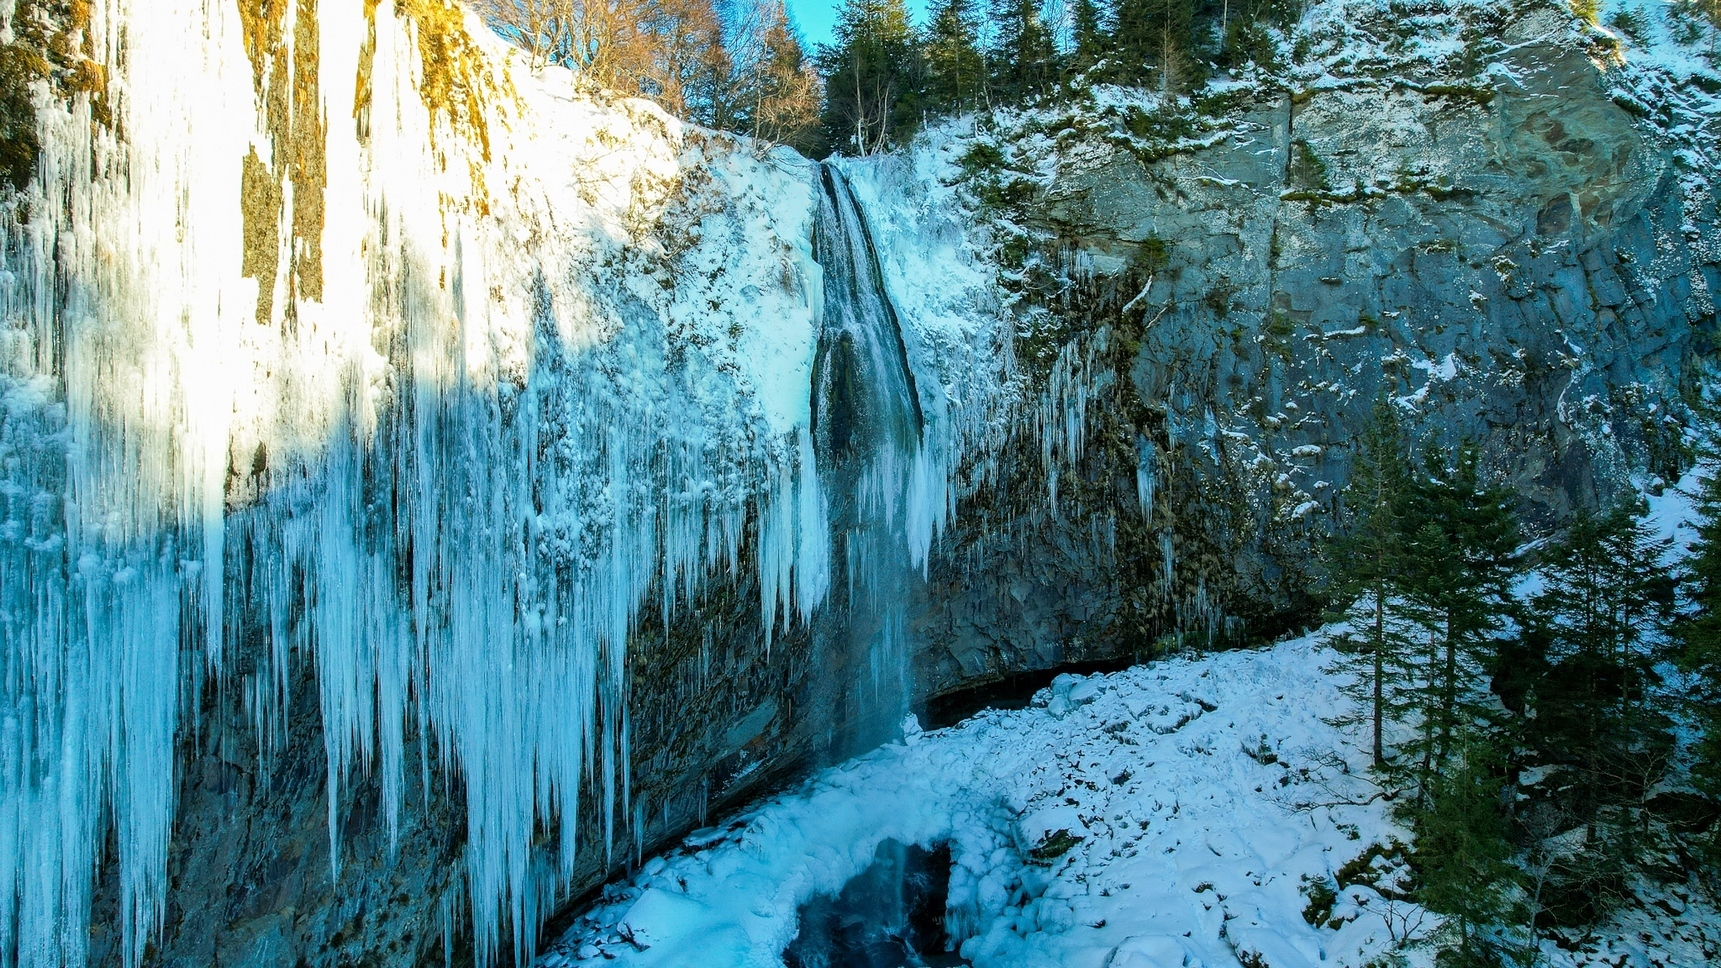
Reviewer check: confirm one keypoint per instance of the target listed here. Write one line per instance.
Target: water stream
(867, 432)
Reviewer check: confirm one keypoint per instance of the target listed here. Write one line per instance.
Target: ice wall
(332, 327)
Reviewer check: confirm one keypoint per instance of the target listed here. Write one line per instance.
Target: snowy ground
(1168, 815)
(1200, 792)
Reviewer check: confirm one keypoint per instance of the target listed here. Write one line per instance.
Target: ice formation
(353, 335)
(336, 331)
(1174, 813)
(1114, 822)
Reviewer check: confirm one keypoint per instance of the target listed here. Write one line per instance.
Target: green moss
(1218, 299)
(1152, 254)
(1056, 844)
(50, 42)
(1479, 94)
(1223, 103)
(1631, 106)
(1306, 171)
(1322, 897)
(1442, 189)
(981, 158)
(1165, 124)
(1015, 251)
(19, 143)
(1362, 870)
(997, 193)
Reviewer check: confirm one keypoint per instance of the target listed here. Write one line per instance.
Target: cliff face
(432, 478)
(1516, 253)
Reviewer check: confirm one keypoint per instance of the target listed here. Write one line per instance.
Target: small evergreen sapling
(1366, 570)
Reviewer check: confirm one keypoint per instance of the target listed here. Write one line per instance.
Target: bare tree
(540, 27)
(749, 75)
(773, 94)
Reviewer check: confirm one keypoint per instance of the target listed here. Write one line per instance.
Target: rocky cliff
(1472, 212)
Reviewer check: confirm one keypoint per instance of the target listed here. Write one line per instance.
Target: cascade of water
(864, 398)
(889, 479)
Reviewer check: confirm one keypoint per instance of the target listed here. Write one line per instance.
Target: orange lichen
(453, 76)
(285, 74)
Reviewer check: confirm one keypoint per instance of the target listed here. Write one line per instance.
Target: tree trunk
(1379, 669)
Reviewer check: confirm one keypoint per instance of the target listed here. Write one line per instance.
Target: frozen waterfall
(427, 374)
(385, 383)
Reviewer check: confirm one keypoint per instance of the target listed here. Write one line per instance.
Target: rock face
(1518, 262)
(1513, 254)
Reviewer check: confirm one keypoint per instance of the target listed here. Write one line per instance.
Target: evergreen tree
(955, 69)
(1458, 577)
(1024, 52)
(1589, 634)
(1463, 855)
(873, 76)
(1366, 568)
(1606, 595)
(1155, 42)
(1698, 633)
(1089, 39)
(1244, 37)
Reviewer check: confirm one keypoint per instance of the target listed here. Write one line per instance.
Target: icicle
(385, 418)
(1146, 478)
(1077, 378)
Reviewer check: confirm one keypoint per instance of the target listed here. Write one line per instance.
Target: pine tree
(1366, 568)
(1024, 53)
(1606, 596)
(1698, 634)
(955, 69)
(1463, 854)
(1089, 39)
(1589, 635)
(1243, 35)
(873, 76)
(1155, 41)
(1462, 537)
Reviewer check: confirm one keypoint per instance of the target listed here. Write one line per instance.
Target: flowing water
(867, 431)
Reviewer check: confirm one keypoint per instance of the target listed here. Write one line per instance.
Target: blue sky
(816, 17)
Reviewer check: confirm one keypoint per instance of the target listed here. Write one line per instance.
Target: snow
(1187, 846)
(933, 259)
(569, 339)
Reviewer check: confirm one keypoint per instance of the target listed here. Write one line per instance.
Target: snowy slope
(1205, 795)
